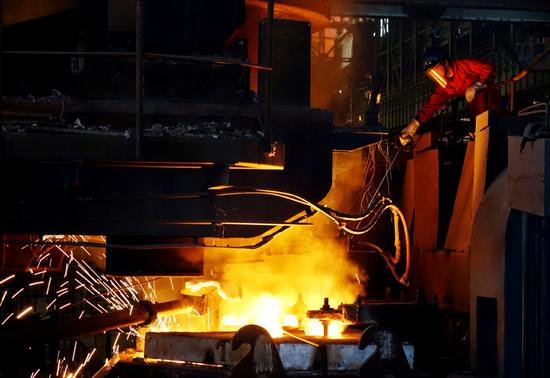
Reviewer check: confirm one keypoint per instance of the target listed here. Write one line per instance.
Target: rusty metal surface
(426, 183)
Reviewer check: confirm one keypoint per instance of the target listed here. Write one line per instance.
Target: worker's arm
(484, 73)
(437, 101)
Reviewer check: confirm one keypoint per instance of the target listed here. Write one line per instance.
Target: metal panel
(426, 182)
(529, 175)
(487, 260)
(460, 227)
(480, 158)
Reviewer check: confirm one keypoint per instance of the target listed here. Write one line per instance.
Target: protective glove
(470, 93)
(406, 136)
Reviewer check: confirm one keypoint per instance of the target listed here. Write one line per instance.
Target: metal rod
(82, 54)
(117, 54)
(306, 341)
(268, 52)
(199, 59)
(139, 80)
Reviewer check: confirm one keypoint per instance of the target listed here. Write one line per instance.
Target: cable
(392, 261)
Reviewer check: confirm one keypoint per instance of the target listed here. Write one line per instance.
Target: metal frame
(140, 56)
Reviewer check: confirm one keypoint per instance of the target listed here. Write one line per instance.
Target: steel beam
(505, 11)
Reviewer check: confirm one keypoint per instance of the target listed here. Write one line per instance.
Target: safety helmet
(432, 56)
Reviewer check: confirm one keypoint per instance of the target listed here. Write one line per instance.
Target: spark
(48, 288)
(64, 283)
(17, 293)
(66, 270)
(81, 314)
(8, 318)
(41, 272)
(51, 303)
(24, 312)
(89, 356)
(3, 297)
(42, 259)
(74, 351)
(36, 283)
(100, 306)
(171, 283)
(85, 279)
(64, 306)
(357, 277)
(114, 349)
(78, 370)
(58, 364)
(94, 306)
(9, 278)
(62, 251)
(35, 374)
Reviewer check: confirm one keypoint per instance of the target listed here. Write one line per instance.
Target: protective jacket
(466, 72)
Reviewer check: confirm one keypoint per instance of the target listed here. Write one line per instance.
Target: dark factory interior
(274, 188)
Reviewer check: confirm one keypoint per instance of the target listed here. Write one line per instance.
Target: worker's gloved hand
(470, 93)
(407, 134)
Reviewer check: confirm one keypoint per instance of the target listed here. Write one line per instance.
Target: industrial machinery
(178, 202)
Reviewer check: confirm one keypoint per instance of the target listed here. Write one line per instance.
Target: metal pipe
(142, 313)
(268, 61)
(139, 80)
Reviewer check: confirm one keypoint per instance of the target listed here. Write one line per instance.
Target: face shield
(437, 75)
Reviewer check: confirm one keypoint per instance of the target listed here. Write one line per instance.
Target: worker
(470, 78)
